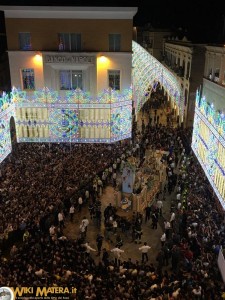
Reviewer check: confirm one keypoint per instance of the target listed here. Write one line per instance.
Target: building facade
(214, 76)
(70, 61)
(69, 39)
(4, 63)
(152, 39)
(186, 61)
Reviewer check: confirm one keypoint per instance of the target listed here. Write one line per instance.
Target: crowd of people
(38, 183)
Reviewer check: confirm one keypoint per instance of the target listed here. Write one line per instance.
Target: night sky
(200, 21)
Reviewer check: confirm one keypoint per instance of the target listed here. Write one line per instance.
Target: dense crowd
(38, 182)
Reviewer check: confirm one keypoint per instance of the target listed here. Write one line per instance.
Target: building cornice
(215, 49)
(67, 12)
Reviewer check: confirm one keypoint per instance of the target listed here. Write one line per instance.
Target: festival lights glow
(5, 138)
(208, 144)
(146, 72)
(47, 117)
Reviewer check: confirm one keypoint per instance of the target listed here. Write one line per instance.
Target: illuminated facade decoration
(76, 118)
(208, 144)
(6, 112)
(146, 72)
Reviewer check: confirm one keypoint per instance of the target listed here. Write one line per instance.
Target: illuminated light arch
(146, 72)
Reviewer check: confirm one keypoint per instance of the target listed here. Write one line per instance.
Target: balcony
(216, 79)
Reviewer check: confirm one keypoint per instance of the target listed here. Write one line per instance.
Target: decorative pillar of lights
(110, 115)
(47, 129)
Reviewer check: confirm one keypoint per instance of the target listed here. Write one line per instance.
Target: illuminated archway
(147, 71)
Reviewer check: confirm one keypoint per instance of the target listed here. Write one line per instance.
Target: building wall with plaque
(71, 70)
(51, 43)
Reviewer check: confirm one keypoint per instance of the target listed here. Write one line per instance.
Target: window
(69, 42)
(25, 41)
(114, 42)
(188, 70)
(114, 79)
(149, 42)
(71, 80)
(223, 81)
(217, 75)
(28, 79)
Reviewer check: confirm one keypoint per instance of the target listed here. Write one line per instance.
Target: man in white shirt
(83, 227)
(163, 239)
(167, 228)
(115, 225)
(160, 206)
(144, 252)
(71, 212)
(117, 253)
(80, 203)
(179, 205)
(172, 219)
(88, 248)
(52, 230)
(61, 219)
(85, 223)
(178, 196)
(197, 291)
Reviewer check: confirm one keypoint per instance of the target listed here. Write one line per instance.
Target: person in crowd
(26, 235)
(160, 207)
(163, 239)
(80, 203)
(172, 219)
(144, 252)
(147, 213)
(105, 257)
(138, 231)
(117, 255)
(167, 227)
(154, 219)
(91, 209)
(61, 219)
(71, 212)
(88, 249)
(119, 241)
(83, 227)
(99, 241)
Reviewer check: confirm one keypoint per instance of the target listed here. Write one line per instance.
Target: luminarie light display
(208, 144)
(147, 71)
(78, 117)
